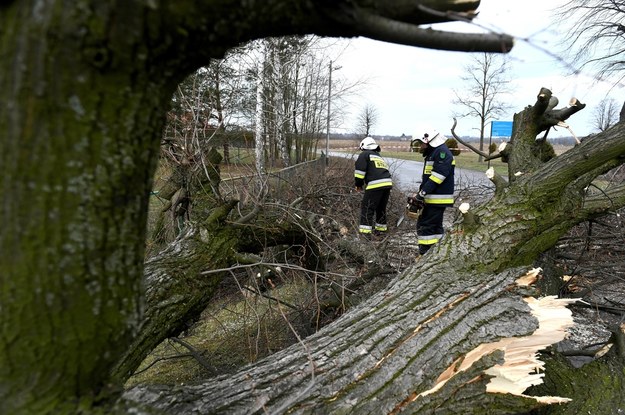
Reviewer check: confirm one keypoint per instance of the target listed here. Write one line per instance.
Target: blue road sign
(501, 129)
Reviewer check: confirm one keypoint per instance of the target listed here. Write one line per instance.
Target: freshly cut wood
(521, 368)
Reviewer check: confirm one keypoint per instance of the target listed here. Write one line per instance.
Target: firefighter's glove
(415, 203)
(418, 200)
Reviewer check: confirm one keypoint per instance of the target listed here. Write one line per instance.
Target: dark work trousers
(374, 207)
(430, 227)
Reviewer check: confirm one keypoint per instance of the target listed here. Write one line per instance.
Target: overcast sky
(411, 86)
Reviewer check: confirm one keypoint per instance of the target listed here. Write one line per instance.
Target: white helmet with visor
(431, 137)
(368, 143)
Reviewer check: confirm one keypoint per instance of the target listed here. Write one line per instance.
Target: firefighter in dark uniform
(437, 188)
(372, 174)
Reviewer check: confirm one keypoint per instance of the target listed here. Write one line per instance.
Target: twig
(277, 300)
(161, 359)
(196, 355)
(608, 309)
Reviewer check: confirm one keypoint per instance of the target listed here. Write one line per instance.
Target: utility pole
(330, 69)
(328, 118)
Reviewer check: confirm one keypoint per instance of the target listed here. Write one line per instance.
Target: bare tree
(486, 82)
(595, 42)
(367, 118)
(294, 94)
(606, 114)
(260, 119)
(595, 36)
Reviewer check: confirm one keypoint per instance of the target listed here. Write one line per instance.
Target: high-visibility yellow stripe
(378, 161)
(439, 201)
(433, 198)
(378, 185)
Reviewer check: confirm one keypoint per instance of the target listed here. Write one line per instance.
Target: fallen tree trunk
(407, 348)
(401, 351)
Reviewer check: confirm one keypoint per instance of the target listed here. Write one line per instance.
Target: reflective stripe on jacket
(372, 171)
(438, 176)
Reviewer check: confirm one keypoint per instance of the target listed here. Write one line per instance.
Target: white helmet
(431, 137)
(368, 143)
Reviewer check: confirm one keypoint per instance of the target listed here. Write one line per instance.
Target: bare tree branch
(381, 28)
(465, 143)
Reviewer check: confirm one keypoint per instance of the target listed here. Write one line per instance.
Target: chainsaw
(413, 210)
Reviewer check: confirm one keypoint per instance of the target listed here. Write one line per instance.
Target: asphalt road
(407, 173)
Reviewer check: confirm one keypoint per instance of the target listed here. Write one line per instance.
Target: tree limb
(587, 156)
(465, 143)
(390, 21)
(387, 30)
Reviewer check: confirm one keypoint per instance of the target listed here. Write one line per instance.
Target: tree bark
(383, 356)
(596, 388)
(79, 121)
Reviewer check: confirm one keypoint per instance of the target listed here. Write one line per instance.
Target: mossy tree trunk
(80, 114)
(379, 357)
(531, 128)
(596, 388)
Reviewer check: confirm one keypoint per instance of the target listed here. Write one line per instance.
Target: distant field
(242, 159)
(467, 159)
(398, 146)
